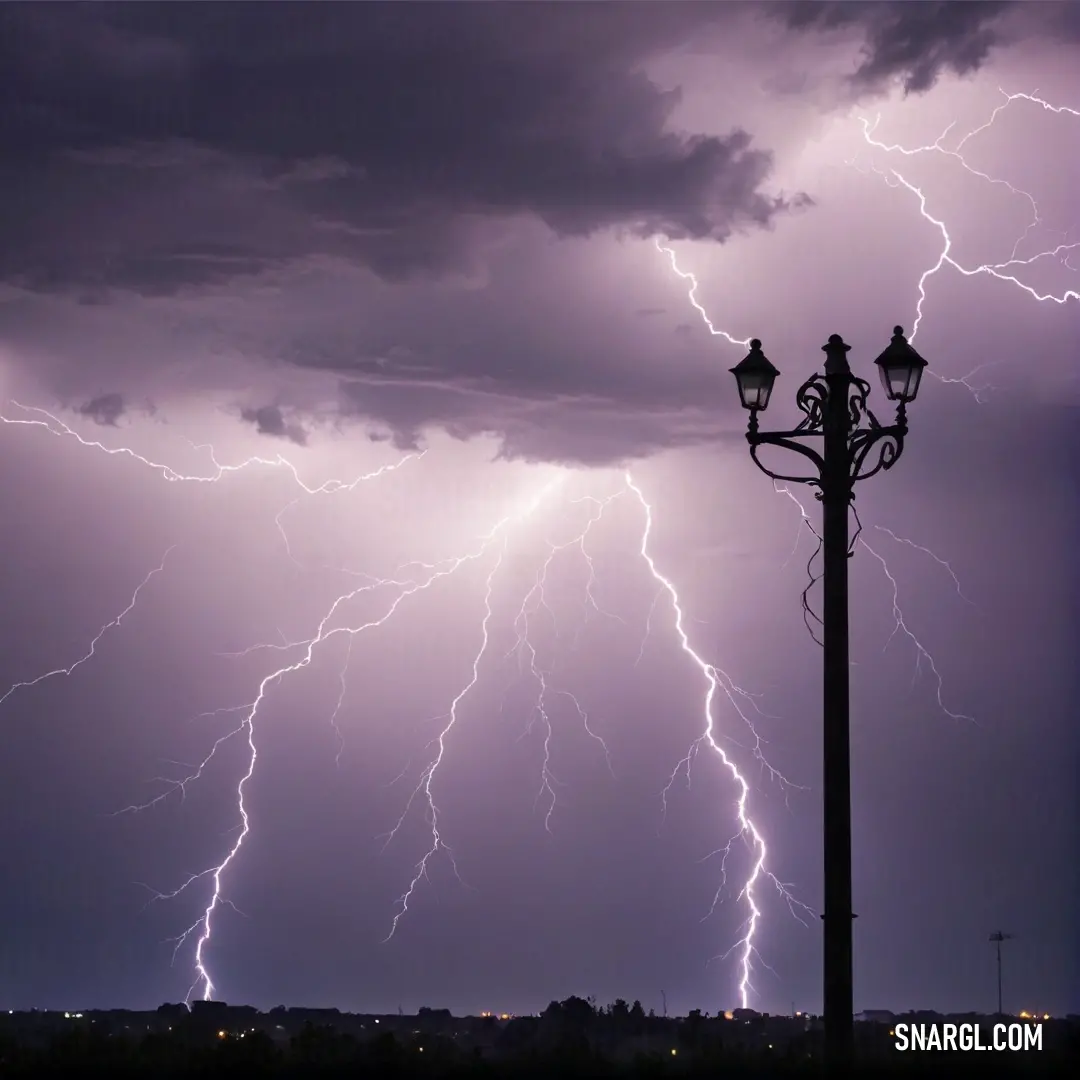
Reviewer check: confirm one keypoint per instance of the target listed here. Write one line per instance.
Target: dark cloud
(262, 154)
(377, 132)
(909, 42)
(269, 420)
(570, 428)
(105, 409)
(154, 146)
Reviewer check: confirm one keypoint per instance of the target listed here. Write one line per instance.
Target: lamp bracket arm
(804, 450)
(785, 440)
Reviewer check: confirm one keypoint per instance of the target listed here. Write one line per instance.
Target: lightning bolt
(437, 841)
(405, 586)
(692, 296)
(396, 589)
(1002, 271)
(202, 929)
(41, 418)
(718, 680)
(112, 624)
(715, 679)
(414, 578)
(1006, 271)
(900, 625)
(526, 651)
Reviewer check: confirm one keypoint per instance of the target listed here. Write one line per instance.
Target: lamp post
(997, 937)
(853, 446)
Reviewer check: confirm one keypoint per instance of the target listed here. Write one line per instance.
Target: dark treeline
(386, 1058)
(570, 1039)
(322, 1054)
(325, 1053)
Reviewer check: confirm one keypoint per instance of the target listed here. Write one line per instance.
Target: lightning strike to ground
(400, 586)
(748, 832)
(425, 575)
(437, 841)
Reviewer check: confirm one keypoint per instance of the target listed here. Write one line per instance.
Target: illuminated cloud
(321, 236)
(346, 197)
(910, 43)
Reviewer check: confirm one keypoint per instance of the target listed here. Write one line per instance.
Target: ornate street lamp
(854, 446)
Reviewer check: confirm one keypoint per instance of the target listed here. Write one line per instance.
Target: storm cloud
(912, 43)
(153, 148)
(379, 133)
(214, 174)
(319, 237)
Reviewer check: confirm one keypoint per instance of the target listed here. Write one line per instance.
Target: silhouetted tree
(578, 1013)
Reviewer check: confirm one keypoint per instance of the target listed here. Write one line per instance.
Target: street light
(835, 411)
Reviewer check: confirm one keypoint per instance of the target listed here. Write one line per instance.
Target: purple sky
(341, 239)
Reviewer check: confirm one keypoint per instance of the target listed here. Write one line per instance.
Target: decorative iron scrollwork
(867, 434)
(811, 398)
(889, 443)
(858, 391)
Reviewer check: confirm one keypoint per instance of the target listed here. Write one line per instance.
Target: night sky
(396, 303)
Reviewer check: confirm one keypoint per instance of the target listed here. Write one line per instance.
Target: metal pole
(999, 940)
(836, 496)
(997, 937)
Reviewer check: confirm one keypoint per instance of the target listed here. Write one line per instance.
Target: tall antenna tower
(997, 937)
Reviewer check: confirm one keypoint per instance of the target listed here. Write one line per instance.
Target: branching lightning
(489, 551)
(1006, 269)
(748, 832)
(405, 582)
(112, 624)
(437, 841)
(526, 652)
(40, 418)
(810, 617)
